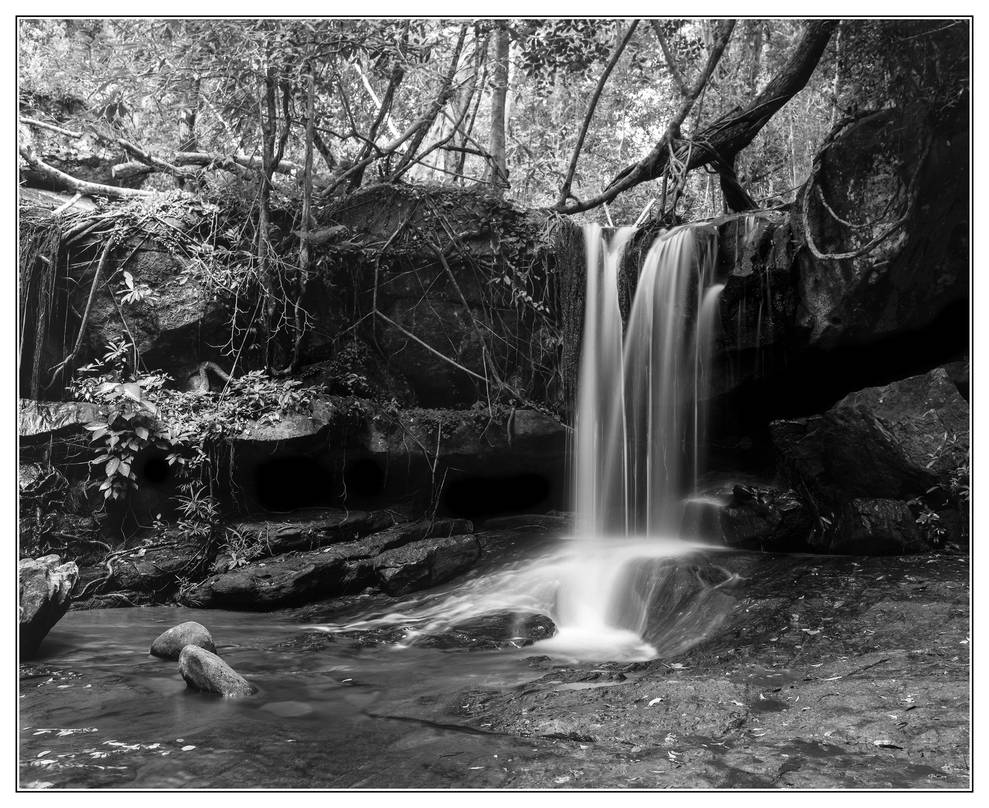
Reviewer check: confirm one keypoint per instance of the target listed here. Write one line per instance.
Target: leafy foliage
(141, 76)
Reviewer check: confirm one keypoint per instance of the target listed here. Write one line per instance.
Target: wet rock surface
(206, 672)
(494, 631)
(860, 681)
(169, 644)
(44, 586)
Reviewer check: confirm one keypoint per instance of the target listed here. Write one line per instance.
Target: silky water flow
(619, 588)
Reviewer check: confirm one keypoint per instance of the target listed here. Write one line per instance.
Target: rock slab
(395, 560)
(169, 644)
(45, 585)
(206, 672)
(426, 563)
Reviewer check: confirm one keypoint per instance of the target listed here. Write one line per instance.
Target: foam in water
(638, 448)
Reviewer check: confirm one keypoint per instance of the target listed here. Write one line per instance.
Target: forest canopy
(671, 118)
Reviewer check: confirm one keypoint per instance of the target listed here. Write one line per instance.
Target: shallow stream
(760, 659)
(342, 702)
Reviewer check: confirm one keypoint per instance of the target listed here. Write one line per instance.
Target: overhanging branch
(725, 137)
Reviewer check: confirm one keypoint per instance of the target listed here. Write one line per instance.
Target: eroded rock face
(206, 672)
(172, 329)
(445, 302)
(169, 644)
(891, 164)
(902, 173)
(45, 585)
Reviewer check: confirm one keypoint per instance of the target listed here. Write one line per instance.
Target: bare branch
(724, 138)
(417, 130)
(50, 127)
(69, 183)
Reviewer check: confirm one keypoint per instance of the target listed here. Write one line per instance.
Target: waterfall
(639, 425)
(621, 587)
(640, 410)
(600, 469)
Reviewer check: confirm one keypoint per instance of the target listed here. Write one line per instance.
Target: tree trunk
(499, 83)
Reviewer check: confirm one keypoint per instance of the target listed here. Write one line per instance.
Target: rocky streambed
(792, 671)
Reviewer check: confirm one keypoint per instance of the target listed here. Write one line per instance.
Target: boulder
(908, 163)
(846, 453)
(860, 463)
(169, 644)
(765, 519)
(45, 585)
(206, 672)
(926, 415)
(877, 527)
(426, 563)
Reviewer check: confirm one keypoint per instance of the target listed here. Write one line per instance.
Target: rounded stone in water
(169, 644)
(206, 672)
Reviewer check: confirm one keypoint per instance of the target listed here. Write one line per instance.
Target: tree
(499, 82)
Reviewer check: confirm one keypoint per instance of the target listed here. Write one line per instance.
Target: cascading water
(640, 429)
(638, 449)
